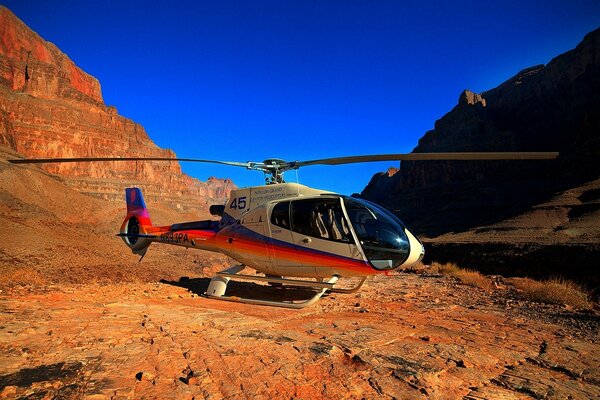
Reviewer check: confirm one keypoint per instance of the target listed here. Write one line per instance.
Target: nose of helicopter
(417, 251)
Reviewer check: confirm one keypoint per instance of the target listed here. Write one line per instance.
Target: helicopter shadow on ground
(250, 290)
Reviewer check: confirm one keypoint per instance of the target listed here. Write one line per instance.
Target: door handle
(306, 240)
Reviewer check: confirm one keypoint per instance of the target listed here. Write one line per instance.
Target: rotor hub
(274, 168)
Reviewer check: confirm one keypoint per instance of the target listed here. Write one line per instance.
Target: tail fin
(134, 228)
(136, 206)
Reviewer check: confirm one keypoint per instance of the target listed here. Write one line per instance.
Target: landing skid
(218, 286)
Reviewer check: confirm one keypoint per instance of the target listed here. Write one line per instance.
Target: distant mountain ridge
(543, 108)
(49, 107)
(523, 218)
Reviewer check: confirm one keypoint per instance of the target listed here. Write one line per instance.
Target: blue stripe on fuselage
(250, 235)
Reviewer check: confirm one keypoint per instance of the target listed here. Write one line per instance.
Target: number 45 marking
(239, 203)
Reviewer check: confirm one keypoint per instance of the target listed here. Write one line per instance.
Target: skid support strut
(218, 286)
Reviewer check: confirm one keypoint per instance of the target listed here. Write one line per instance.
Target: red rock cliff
(49, 107)
(51, 73)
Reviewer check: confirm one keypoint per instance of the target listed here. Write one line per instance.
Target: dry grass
(555, 291)
(466, 276)
(22, 277)
(417, 268)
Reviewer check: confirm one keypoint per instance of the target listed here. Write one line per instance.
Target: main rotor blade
(531, 155)
(104, 159)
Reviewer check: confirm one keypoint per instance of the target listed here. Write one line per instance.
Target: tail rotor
(134, 230)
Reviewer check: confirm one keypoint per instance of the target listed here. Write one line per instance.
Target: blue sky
(299, 80)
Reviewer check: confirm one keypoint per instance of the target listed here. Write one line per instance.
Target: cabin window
(322, 219)
(280, 215)
(381, 234)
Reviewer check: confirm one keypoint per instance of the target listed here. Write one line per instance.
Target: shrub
(466, 276)
(554, 291)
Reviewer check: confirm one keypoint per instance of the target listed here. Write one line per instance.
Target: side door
(251, 243)
(323, 237)
(285, 259)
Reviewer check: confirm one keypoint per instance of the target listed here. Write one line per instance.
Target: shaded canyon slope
(49, 107)
(555, 107)
(53, 234)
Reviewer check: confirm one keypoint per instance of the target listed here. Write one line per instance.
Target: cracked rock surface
(404, 336)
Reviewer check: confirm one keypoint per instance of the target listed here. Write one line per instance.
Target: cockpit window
(380, 233)
(280, 215)
(322, 219)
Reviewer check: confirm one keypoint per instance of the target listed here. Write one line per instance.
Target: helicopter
(294, 235)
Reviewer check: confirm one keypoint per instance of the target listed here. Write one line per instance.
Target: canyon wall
(555, 107)
(525, 218)
(49, 107)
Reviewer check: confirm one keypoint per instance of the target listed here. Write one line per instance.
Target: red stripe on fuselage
(259, 247)
(307, 257)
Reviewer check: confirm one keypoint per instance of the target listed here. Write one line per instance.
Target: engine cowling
(217, 210)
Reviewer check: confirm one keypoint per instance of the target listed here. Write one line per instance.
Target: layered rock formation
(49, 107)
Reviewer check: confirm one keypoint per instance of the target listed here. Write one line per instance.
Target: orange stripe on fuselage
(308, 257)
(214, 241)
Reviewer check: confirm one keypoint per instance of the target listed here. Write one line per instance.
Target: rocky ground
(80, 317)
(405, 336)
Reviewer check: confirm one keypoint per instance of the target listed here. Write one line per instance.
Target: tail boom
(138, 232)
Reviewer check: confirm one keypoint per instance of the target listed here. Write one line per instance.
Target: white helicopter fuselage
(289, 229)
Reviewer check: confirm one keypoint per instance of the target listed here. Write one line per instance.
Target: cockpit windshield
(380, 233)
